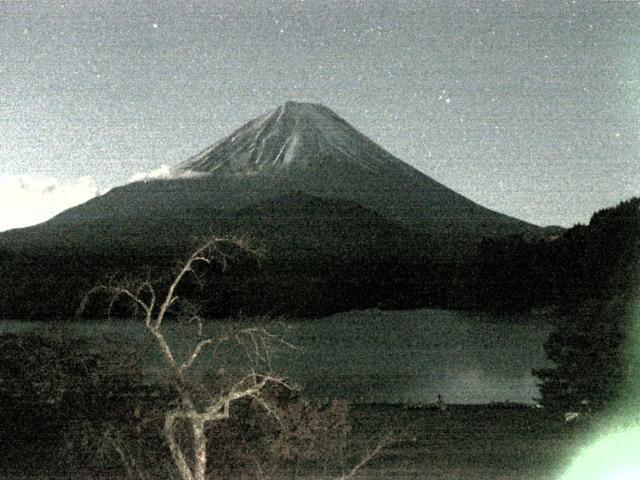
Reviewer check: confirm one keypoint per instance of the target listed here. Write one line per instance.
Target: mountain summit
(294, 135)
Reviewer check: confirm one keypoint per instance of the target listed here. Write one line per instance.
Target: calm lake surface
(376, 356)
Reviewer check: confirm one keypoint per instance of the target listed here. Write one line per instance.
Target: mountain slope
(309, 149)
(319, 256)
(292, 225)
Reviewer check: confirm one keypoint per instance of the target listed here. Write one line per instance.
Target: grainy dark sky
(529, 108)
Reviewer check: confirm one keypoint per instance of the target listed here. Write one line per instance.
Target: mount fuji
(303, 183)
(299, 148)
(308, 148)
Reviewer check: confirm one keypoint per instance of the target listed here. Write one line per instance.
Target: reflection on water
(412, 356)
(377, 356)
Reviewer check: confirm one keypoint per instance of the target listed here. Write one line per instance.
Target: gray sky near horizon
(528, 108)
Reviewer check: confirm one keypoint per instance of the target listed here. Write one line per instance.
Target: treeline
(590, 277)
(586, 264)
(594, 361)
(342, 272)
(40, 287)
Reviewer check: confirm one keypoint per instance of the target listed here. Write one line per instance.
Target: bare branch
(247, 386)
(257, 342)
(115, 292)
(133, 470)
(272, 338)
(384, 442)
(194, 354)
(164, 346)
(149, 288)
(268, 408)
(190, 313)
(203, 254)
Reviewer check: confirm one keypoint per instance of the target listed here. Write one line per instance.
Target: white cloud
(26, 200)
(161, 173)
(164, 172)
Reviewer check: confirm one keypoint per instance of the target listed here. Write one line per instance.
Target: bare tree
(199, 405)
(195, 408)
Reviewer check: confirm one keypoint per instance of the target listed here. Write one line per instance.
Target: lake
(382, 356)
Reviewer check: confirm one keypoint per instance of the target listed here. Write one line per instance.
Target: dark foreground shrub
(59, 396)
(70, 409)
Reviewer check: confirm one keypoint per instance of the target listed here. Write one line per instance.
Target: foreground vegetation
(82, 412)
(77, 408)
(591, 345)
(107, 425)
(71, 411)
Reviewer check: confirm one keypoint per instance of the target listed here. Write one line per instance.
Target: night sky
(529, 108)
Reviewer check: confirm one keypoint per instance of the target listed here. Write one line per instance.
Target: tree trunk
(176, 451)
(200, 448)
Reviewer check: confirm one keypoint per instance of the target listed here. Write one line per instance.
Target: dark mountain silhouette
(312, 263)
(318, 195)
(299, 147)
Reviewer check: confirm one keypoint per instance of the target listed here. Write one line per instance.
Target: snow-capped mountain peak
(293, 135)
